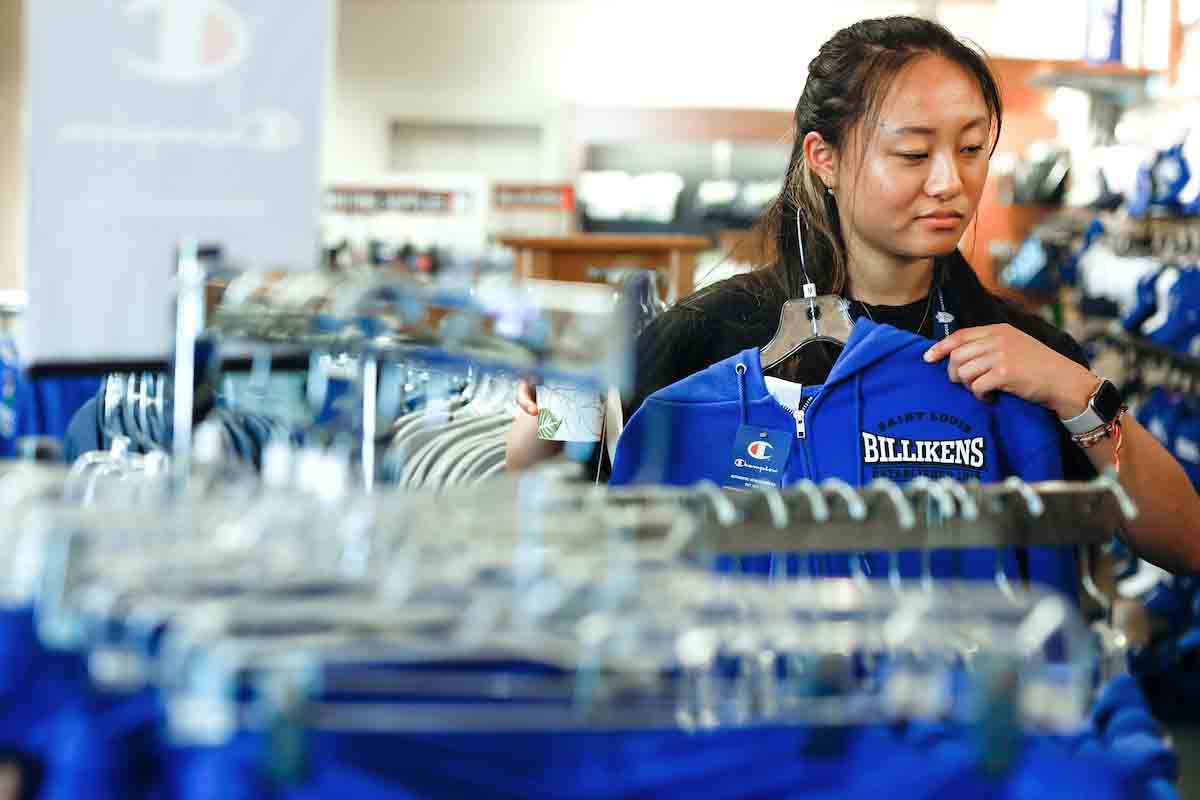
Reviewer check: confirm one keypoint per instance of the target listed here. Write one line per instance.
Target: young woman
(893, 133)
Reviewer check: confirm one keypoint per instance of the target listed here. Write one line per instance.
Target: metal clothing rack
(532, 328)
(1181, 372)
(945, 514)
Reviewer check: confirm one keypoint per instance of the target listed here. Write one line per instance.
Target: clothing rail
(401, 641)
(578, 332)
(835, 517)
(832, 517)
(534, 325)
(1183, 366)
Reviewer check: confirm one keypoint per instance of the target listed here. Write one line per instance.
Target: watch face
(1107, 401)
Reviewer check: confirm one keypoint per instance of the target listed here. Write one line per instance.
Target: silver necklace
(925, 316)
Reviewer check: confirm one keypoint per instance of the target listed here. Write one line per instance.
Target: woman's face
(918, 182)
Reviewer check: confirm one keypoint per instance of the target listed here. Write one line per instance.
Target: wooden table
(574, 258)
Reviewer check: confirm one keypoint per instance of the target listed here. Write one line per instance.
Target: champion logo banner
(151, 121)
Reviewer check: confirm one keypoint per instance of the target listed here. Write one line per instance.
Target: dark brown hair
(847, 82)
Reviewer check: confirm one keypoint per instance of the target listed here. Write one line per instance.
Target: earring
(829, 190)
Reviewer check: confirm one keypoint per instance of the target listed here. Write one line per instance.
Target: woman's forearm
(1167, 529)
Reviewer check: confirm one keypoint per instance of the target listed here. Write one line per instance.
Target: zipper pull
(799, 415)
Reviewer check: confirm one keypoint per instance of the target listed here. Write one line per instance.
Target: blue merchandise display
(1160, 183)
(58, 399)
(1174, 420)
(1146, 303)
(18, 402)
(1182, 323)
(882, 413)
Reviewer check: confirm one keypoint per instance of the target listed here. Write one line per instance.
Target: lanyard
(943, 316)
(942, 319)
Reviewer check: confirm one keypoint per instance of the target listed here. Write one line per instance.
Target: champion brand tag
(760, 458)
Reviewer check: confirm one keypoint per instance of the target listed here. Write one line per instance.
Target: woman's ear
(821, 158)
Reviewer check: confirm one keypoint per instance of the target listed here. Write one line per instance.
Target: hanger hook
(1033, 502)
(856, 507)
(906, 517)
(947, 507)
(778, 508)
(968, 509)
(800, 242)
(726, 511)
(937, 492)
(1107, 479)
(817, 504)
(1088, 581)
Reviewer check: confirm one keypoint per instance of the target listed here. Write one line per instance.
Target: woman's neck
(889, 283)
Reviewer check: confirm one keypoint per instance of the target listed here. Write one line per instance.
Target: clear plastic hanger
(803, 321)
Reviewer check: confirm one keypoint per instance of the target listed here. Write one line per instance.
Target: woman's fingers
(527, 398)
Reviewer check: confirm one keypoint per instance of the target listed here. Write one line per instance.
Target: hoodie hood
(870, 343)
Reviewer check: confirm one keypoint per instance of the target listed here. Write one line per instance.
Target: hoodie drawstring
(740, 369)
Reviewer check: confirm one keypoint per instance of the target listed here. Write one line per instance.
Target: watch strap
(1091, 419)
(1087, 421)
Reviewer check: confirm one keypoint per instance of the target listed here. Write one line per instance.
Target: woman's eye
(973, 149)
(913, 156)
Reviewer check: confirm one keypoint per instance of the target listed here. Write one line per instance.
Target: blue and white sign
(1103, 42)
(155, 120)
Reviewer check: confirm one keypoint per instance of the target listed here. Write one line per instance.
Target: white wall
(526, 60)
(11, 159)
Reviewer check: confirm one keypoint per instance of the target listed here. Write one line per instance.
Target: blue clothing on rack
(1182, 323)
(18, 402)
(103, 744)
(58, 399)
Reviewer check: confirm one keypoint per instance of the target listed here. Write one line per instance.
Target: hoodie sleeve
(1029, 441)
(1032, 451)
(648, 452)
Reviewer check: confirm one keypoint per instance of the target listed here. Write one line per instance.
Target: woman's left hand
(1001, 358)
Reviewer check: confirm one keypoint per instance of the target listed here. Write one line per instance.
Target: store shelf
(1120, 85)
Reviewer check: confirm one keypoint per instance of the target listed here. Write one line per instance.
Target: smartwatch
(1102, 408)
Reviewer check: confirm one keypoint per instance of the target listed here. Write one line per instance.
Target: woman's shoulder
(708, 326)
(743, 298)
(721, 319)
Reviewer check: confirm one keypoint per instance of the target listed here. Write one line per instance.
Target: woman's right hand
(527, 397)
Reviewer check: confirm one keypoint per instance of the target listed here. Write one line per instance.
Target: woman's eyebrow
(924, 130)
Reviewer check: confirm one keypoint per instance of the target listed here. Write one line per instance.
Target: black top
(743, 311)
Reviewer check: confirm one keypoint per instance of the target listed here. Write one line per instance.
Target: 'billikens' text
(953, 452)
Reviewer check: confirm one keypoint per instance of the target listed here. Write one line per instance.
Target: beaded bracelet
(1105, 431)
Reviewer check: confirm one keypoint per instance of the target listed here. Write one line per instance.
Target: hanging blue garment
(1146, 302)
(1160, 183)
(1182, 323)
(58, 399)
(18, 404)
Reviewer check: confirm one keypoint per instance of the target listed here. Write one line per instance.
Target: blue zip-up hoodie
(882, 412)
